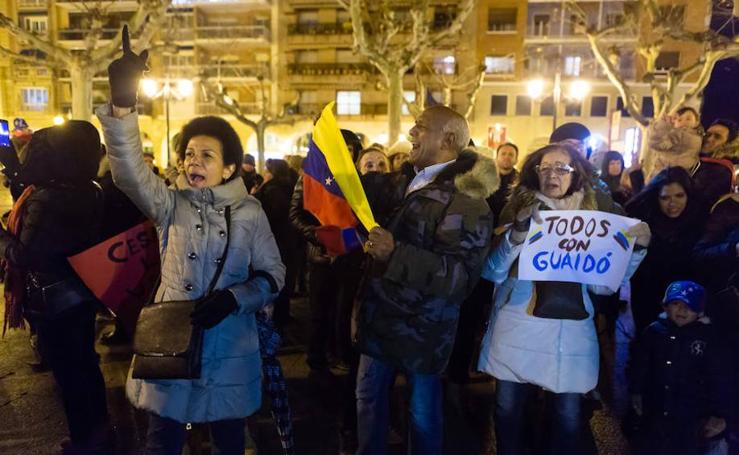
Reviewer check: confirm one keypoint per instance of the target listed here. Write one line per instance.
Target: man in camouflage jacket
(425, 263)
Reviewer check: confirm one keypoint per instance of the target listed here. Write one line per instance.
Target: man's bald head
(438, 136)
(450, 122)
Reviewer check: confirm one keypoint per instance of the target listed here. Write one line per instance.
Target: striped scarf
(15, 289)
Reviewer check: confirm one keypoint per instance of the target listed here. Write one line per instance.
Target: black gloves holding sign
(125, 72)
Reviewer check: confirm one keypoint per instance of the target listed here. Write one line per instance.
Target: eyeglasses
(559, 169)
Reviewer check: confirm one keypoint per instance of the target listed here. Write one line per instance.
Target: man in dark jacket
(425, 263)
(681, 384)
(505, 159)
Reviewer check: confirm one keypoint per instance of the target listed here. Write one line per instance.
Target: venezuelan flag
(332, 190)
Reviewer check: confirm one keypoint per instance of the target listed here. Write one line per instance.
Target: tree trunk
(81, 92)
(260, 132)
(394, 103)
(447, 97)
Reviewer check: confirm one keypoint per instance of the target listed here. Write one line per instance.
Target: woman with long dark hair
(676, 217)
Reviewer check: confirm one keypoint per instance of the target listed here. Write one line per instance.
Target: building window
(674, 14)
(541, 24)
(499, 65)
(36, 24)
(445, 65)
(308, 17)
(444, 16)
(348, 103)
(621, 107)
(647, 106)
(547, 106)
(613, 19)
(35, 98)
(306, 57)
(667, 60)
(410, 97)
(573, 109)
(572, 65)
(599, 106)
(502, 20)
(523, 105)
(499, 105)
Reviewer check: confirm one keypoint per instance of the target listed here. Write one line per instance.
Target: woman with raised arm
(192, 220)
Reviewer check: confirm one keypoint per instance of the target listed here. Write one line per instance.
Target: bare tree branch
(143, 25)
(25, 58)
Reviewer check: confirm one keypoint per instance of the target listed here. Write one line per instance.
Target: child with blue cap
(681, 383)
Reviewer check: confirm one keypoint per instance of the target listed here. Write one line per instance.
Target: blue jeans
(167, 436)
(510, 400)
(375, 379)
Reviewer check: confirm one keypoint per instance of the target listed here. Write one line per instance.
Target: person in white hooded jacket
(520, 349)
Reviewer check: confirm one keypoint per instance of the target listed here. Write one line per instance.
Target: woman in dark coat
(676, 217)
(58, 215)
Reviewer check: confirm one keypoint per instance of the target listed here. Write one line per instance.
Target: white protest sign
(579, 246)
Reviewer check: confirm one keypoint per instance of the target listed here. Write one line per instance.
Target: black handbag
(166, 345)
(559, 300)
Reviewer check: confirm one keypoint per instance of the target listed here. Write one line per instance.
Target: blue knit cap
(690, 293)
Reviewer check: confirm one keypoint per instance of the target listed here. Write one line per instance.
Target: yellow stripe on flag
(328, 138)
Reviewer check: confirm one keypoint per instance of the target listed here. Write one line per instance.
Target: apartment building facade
(545, 46)
(297, 55)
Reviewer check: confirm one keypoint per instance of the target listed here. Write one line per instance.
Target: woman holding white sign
(559, 352)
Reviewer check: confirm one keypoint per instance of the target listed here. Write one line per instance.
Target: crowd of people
(433, 294)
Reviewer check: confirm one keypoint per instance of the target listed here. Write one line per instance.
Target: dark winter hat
(353, 143)
(68, 153)
(690, 293)
(249, 159)
(571, 130)
(19, 124)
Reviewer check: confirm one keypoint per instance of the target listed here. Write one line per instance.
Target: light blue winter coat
(191, 226)
(559, 355)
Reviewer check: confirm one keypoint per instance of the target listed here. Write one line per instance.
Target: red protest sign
(122, 271)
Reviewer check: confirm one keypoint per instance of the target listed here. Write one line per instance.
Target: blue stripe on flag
(315, 166)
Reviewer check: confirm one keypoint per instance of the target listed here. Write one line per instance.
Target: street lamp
(578, 89)
(167, 89)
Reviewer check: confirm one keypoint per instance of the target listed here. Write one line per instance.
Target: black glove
(213, 309)
(125, 72)
(9, 159)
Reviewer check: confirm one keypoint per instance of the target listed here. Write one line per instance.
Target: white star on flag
(329, 180)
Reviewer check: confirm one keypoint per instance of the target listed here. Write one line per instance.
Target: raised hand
(125, 72)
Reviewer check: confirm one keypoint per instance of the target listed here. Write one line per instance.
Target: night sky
(721, 97)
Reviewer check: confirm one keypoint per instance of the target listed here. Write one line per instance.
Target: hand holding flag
(332, 189)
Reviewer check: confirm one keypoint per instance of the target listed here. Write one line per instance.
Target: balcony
(206, 108)
(71, 35)
(107, 5)
(220, 3)
(33, 4)
(320, 28)
(330, 69)
(229, 33)
(236, 72)
(26, 71)
(366, 109)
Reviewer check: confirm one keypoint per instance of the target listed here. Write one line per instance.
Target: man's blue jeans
(375, 380)
(510, 400)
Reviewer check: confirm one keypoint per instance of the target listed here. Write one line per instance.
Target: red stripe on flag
(330, 209)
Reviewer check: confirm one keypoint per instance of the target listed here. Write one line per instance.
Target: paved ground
(32, 421)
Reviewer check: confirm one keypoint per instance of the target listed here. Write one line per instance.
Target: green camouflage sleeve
(452, 266)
